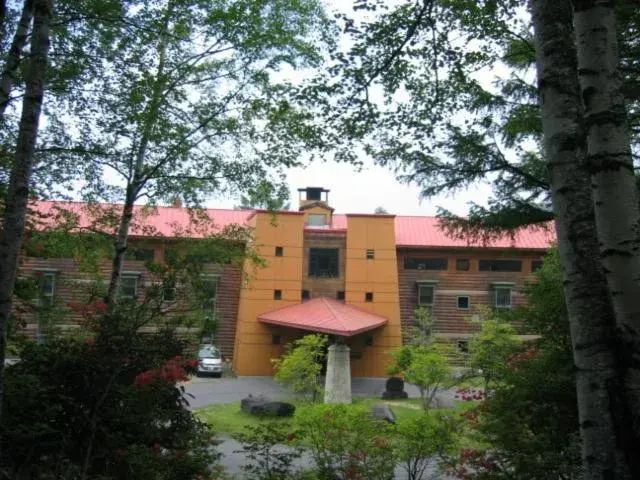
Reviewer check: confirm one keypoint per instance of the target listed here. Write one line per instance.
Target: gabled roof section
(324, 315)
(316, 203)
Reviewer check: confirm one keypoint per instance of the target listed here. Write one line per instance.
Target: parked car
(209, 361)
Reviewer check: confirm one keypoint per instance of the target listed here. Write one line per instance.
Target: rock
(394, 389)
(383, 412)
(261, 405)
(395, 384)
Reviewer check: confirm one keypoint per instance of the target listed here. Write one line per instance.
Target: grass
(228, 419)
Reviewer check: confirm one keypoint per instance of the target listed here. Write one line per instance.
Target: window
(276, 339)
(425, 296)
(317, 220)
(305, 295)
(47, 283)
(463, 264)
(503, 297)
(463, 346)
(129, 286)
(323, 262)
(279, 251)
(277, 294)
(368, 297)
(140, 254)
(500, 265)
(209, 294)
(425, 263)
(169, 291)
(340, 295)
(535, 265)
(371, 254)
(463, 303)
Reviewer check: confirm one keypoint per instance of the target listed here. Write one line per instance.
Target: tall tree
(187, 103)
(600, 389)
(614, 184)
(15, 208)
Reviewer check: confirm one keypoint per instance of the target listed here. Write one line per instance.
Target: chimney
(312, 195)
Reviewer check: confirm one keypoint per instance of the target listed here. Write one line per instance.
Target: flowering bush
(108, 408)
(346, 443)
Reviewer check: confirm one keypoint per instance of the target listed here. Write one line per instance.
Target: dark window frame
(417, 263)
(460, 297)
(324, 262)
(495, 297)
(305, 294)
(368, 297)
(277, 294)
(499, 265)
(371, 254)
(340, 295)
(279, 252)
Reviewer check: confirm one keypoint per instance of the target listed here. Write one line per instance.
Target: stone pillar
(337, 385)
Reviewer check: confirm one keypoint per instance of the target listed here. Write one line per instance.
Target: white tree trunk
(18, 191)
(599, 384)
(613, 182)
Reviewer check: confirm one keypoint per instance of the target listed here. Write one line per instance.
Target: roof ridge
(332, 310)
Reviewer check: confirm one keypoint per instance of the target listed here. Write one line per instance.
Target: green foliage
(265, 196)
(531, 420)
(104, 407)
(427, 367)
(300, 366)
(422, 441)
(262, 446)
(490, 347)
(345, 442)
(421, 331)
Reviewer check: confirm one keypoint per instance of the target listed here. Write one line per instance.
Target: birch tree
(614, 185)
(15, 205)
(188, 104)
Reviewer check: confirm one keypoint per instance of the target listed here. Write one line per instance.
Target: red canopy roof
(410, 231)
(324, 315)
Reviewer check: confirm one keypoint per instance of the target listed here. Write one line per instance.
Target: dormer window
(317, 219)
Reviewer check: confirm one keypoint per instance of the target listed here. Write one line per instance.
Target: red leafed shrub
(470, 394)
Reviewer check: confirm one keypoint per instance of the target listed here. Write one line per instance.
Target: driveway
(212, 391)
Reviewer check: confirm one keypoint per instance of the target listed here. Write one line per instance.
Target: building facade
(356, 277)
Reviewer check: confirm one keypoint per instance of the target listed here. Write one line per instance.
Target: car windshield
(209, 353)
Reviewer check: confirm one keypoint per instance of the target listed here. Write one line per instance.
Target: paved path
(213, 391)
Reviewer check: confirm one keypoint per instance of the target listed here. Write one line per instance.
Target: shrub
(299, 368)
(263, 447)
(420, 442)
(105, 407)
(427, 367)
(346, 443)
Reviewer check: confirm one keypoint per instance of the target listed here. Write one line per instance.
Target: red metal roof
(324, 315)
(171, 221)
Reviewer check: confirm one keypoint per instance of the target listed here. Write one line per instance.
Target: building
(356, 277)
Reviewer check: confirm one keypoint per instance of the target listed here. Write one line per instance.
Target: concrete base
(337, 385)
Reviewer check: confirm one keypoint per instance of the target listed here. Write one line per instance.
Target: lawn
(228, 419)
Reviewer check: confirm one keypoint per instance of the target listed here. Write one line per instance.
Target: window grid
(47, 283)
(129, 286)
(503, 297)
(371, 254)
(323, 262)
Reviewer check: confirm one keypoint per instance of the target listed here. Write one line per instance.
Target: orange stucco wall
(253, 346)
(379, 276)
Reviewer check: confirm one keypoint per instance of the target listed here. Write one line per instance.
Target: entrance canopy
(324, 315)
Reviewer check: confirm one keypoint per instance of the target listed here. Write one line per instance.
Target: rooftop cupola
(314, 201)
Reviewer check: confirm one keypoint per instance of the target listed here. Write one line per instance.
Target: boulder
(261, 405)
(383, 412)
(395, 384)
(394, 389)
